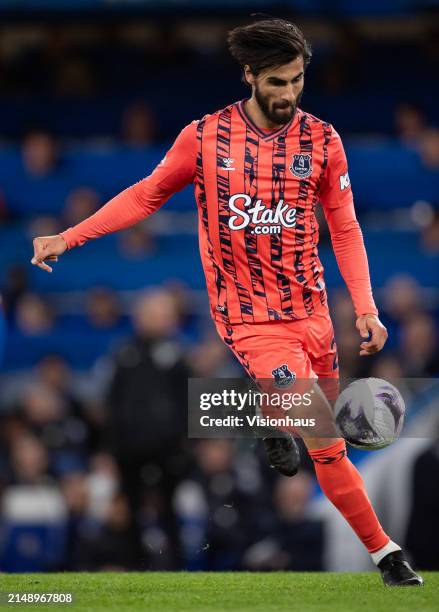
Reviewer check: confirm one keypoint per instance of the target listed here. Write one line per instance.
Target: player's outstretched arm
(130, 206)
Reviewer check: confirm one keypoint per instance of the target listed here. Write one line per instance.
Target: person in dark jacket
(147, 415)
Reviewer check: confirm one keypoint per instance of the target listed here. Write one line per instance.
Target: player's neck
(255, 113)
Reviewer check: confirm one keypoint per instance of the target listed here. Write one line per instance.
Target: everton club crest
(282, 376)
(301, 165)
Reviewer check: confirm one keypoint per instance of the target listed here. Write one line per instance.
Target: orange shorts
(286, 350)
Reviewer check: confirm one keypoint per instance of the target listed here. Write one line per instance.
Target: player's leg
(339, 479)
(281, 350)
(342, 484)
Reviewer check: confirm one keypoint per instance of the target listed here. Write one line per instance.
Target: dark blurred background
(96, 471)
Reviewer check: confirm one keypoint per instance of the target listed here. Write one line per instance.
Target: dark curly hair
(268, 43)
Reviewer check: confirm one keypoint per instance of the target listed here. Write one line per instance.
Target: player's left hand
(370, 324)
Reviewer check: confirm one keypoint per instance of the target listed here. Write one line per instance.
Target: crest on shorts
(301, 165)
(283, 376)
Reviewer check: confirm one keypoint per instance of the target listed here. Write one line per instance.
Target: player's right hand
(47, 248)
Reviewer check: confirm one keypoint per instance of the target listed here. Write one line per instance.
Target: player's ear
(248, 76)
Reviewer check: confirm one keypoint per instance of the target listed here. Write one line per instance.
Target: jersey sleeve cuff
(365, 311)
(69, 238)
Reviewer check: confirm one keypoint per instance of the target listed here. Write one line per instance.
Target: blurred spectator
(158, 525)
(12, 428)
(410, 123)
(80, 204)
(348, 347)
(40, 153)
(33, 512)
(342, 310)
(389, 367)
(419, 346)
(113, 545)
(184, 303)
(429, 42)
(2, 331)
(339, 70)
(138, 125)
(40, 183)
(296, 542)
(210, 358)
(156, 315)
(430, 235)
(42, 405)
(402, 297)
(44, 226)
(422, 537)
(74, 76)
(147, 411)
(3, 208)
(136, 242)
(222, 506)
(15, 286)
(54, 372)
(74, 490)
(64, 434)
(29, 460)
(430, 148)
(103, 481)
(33, 315)
(103, 308)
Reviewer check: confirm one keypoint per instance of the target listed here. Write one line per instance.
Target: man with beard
(259, 167)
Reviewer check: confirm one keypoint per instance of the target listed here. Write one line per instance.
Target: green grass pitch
(166, 592)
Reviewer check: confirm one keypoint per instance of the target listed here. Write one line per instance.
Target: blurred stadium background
(96, 469)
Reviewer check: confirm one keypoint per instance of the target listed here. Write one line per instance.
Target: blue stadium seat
(390, 253)
(79, 349)
(387, 175)
(33, 530)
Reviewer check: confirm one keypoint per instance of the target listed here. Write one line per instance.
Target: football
(369, 413)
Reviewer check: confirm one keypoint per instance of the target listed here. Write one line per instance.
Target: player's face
(278, 91)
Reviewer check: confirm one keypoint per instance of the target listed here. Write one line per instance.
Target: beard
(279, 113)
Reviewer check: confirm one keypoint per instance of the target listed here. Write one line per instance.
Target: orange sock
(342, 484)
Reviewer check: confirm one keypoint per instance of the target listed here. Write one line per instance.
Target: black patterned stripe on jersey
(251, 160)
(279, 157)
(315, 267)
(223, 191)
(219, 278)
(306, 147)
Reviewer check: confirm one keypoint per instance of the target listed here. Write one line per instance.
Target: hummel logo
(228, 163)
(344, 181)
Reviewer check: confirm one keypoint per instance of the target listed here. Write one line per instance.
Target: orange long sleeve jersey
(257, 192)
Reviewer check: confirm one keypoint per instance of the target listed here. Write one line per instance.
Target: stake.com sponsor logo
(266, 220)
